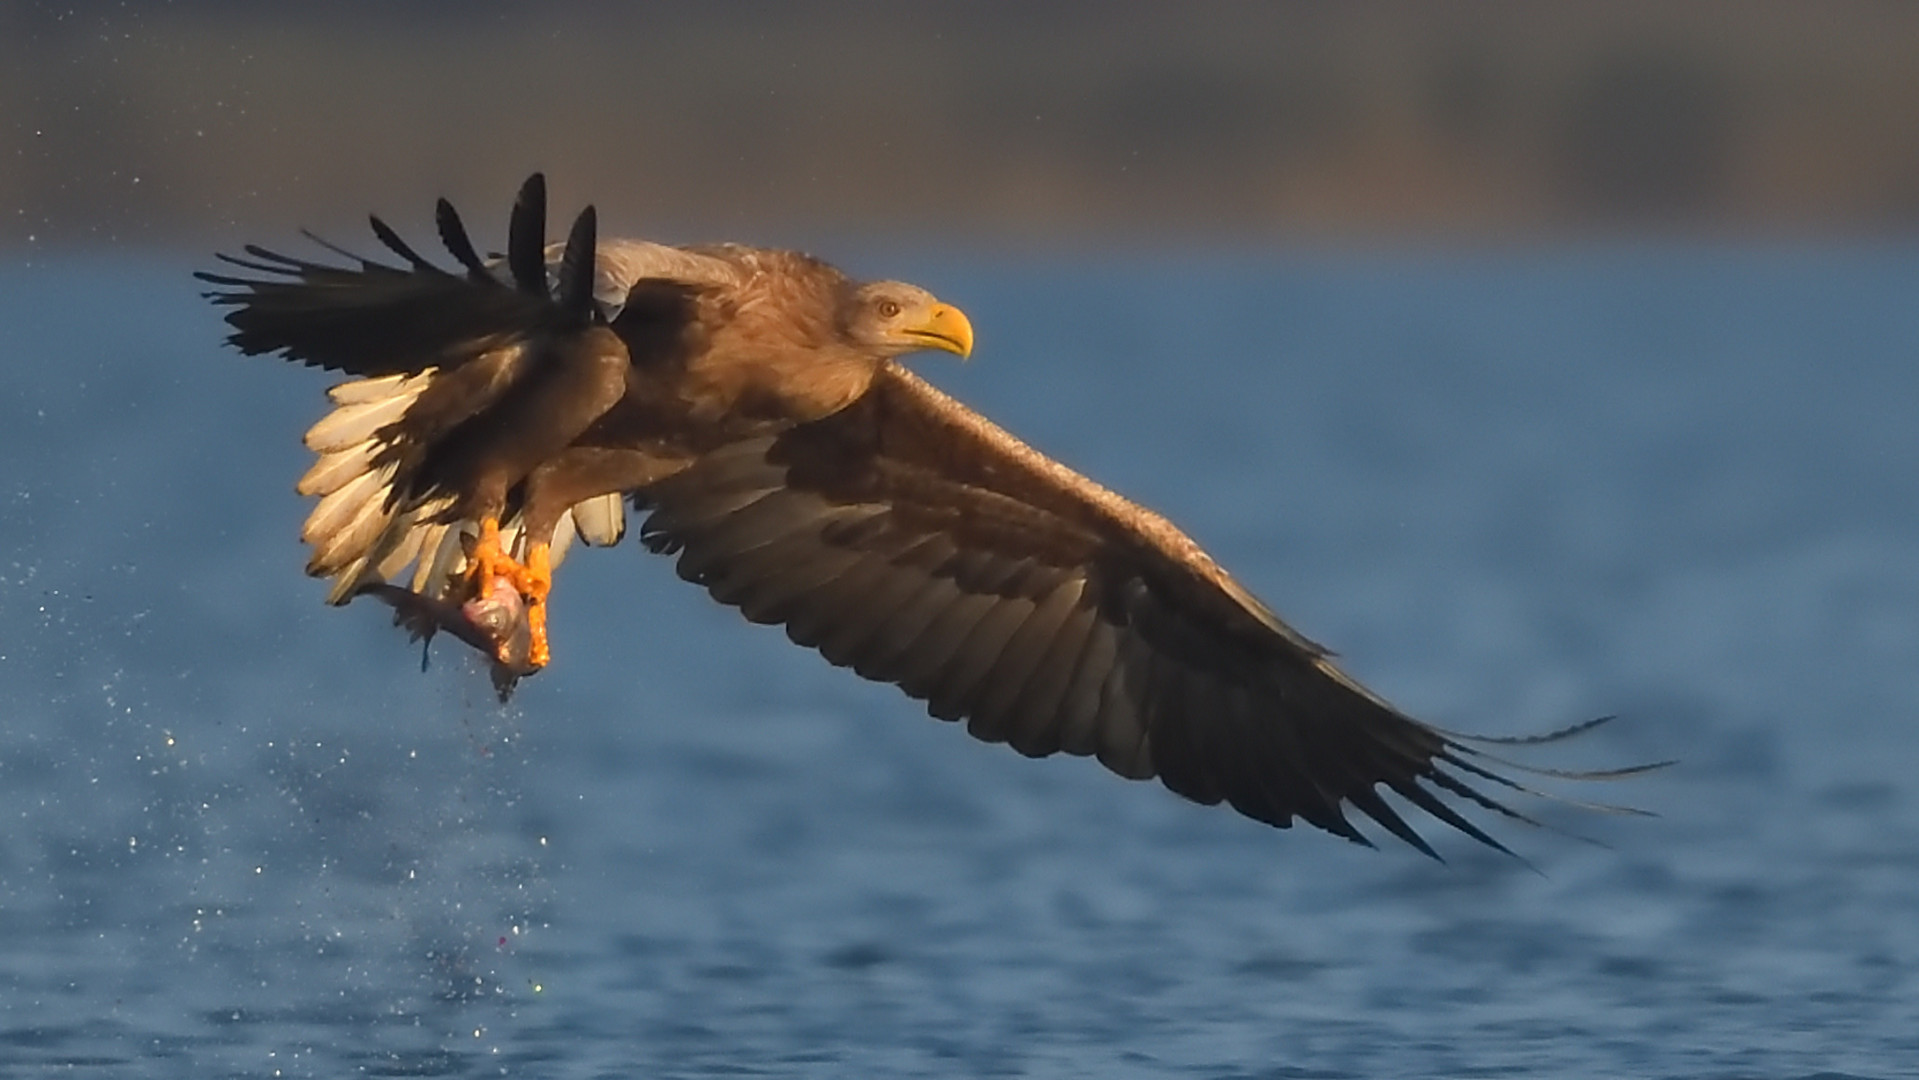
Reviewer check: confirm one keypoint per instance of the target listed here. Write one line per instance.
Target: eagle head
(892, 317)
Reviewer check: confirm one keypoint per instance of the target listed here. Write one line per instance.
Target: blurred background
(1548, 360)
(978, 123)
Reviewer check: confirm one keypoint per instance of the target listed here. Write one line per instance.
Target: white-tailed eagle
(750, 402)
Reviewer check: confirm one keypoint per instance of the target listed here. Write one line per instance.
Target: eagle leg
(491, 566)
(537, 585)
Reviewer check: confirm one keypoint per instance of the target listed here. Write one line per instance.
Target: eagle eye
(888, 309)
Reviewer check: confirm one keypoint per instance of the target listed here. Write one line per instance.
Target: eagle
(752, 405)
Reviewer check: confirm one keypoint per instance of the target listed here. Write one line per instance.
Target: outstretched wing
(911, 540)
(372, 319)
(452, 370)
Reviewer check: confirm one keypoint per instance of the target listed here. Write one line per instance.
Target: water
(247, 837)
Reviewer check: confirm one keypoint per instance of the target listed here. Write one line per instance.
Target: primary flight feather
(751, 402)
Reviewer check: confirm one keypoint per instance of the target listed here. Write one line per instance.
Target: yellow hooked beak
(942, 327)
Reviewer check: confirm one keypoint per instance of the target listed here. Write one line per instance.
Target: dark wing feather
(526, 237)
(509, 376)
(910, 540)
(453, 234)
(372, 319)
(577, 265)
(391, 239)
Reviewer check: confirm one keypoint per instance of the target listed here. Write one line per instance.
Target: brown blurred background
(978, 123)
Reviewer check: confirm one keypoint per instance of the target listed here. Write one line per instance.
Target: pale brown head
(892, 317)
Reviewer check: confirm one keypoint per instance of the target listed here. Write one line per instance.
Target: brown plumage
(749, 400)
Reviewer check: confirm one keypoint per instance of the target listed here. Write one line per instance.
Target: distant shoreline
(1045, 124)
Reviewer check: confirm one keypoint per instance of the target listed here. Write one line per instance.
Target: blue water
(244, 835)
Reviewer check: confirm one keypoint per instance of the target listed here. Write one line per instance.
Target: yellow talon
(539, 583)
(489, 561)
(491, 565)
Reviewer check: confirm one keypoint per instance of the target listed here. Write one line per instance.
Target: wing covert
(912, 541)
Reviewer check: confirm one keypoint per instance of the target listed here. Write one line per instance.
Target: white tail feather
(365, 391)
(352, 537)
(396, 546)
(330, 472)
(448, 560)
(404, 550)
(348, 425)
(601, 520)
(564, 533)
(360, 534)
(346, 503)
(359, 531)
(346, 582)
(431, 537)
(408, 538)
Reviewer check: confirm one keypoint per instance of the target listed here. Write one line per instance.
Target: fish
(494, 622)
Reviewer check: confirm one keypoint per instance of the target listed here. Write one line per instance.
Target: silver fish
(487, 622)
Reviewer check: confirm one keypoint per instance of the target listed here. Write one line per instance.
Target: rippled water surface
(246, 836)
